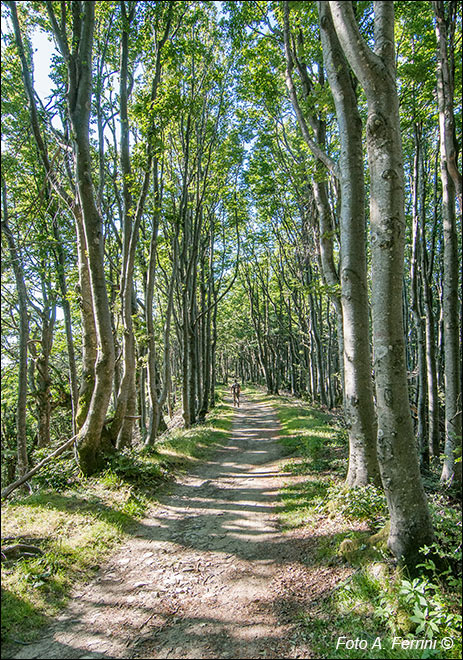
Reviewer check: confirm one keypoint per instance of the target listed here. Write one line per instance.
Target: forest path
(207, 574)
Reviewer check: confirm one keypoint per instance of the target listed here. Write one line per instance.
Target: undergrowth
(77, 522)
(379, 611)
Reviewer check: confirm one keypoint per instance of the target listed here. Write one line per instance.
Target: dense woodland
(262, 190)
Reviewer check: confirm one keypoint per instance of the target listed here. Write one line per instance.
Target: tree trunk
(410, 521)
(21, 435)
(43, 378)
(417, 309)
(89, 336)
(358, 387)
(79, 65)
(430, 334)
(451, 185)
(60, 268)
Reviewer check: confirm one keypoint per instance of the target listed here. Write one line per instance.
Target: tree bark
(60, 268)
(358, 387)
(79, 67)
(417, 308)
(21, 431)
(43, 378)
(410, 521)
(445, 92)
(451, 186)
(89, 337)
(430, 333)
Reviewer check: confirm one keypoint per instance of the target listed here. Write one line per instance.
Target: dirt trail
(207, 574)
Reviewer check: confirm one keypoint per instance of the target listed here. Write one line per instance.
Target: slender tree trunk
(121, 427)
(186, 362)
(167, 376)
(207, 359)
(192, 375)
(417, 309)
(451, 186)
(21, 431)
(213, 348)
(431, 367)
(358, 387)
(60, 267)
(43, 377)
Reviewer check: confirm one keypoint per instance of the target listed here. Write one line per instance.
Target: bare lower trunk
(60, 266)
(410, 521)
(426, 266)
(417, 308)
(358, 388)
(431, 378)
(79, 102)
(21, 432)
(43, 378)
(451, 187)
(89, 334)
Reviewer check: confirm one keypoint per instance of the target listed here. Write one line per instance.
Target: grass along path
(78, 523)
(199, 576)
(242, 558)
(374, 612)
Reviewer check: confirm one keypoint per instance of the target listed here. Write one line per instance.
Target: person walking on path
(236, 391)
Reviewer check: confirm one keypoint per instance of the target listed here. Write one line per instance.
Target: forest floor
(207, 574)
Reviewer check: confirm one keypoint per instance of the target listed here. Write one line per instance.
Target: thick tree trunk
(410, 521)
(79, 63)
(89, 332)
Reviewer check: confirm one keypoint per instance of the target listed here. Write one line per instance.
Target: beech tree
(76, 49)
(410, 522)
(192, 202)
(358, 390)
(23, 336)
(451, 188)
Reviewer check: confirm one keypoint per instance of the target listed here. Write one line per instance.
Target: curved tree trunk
(79, 66)
(89, 338)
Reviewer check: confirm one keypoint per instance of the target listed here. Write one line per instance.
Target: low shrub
(59, 474)
(134, 470)
(359, 503)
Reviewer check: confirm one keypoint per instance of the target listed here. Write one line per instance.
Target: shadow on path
(197, 578)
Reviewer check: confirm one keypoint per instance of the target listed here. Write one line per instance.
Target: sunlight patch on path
(195, 580)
